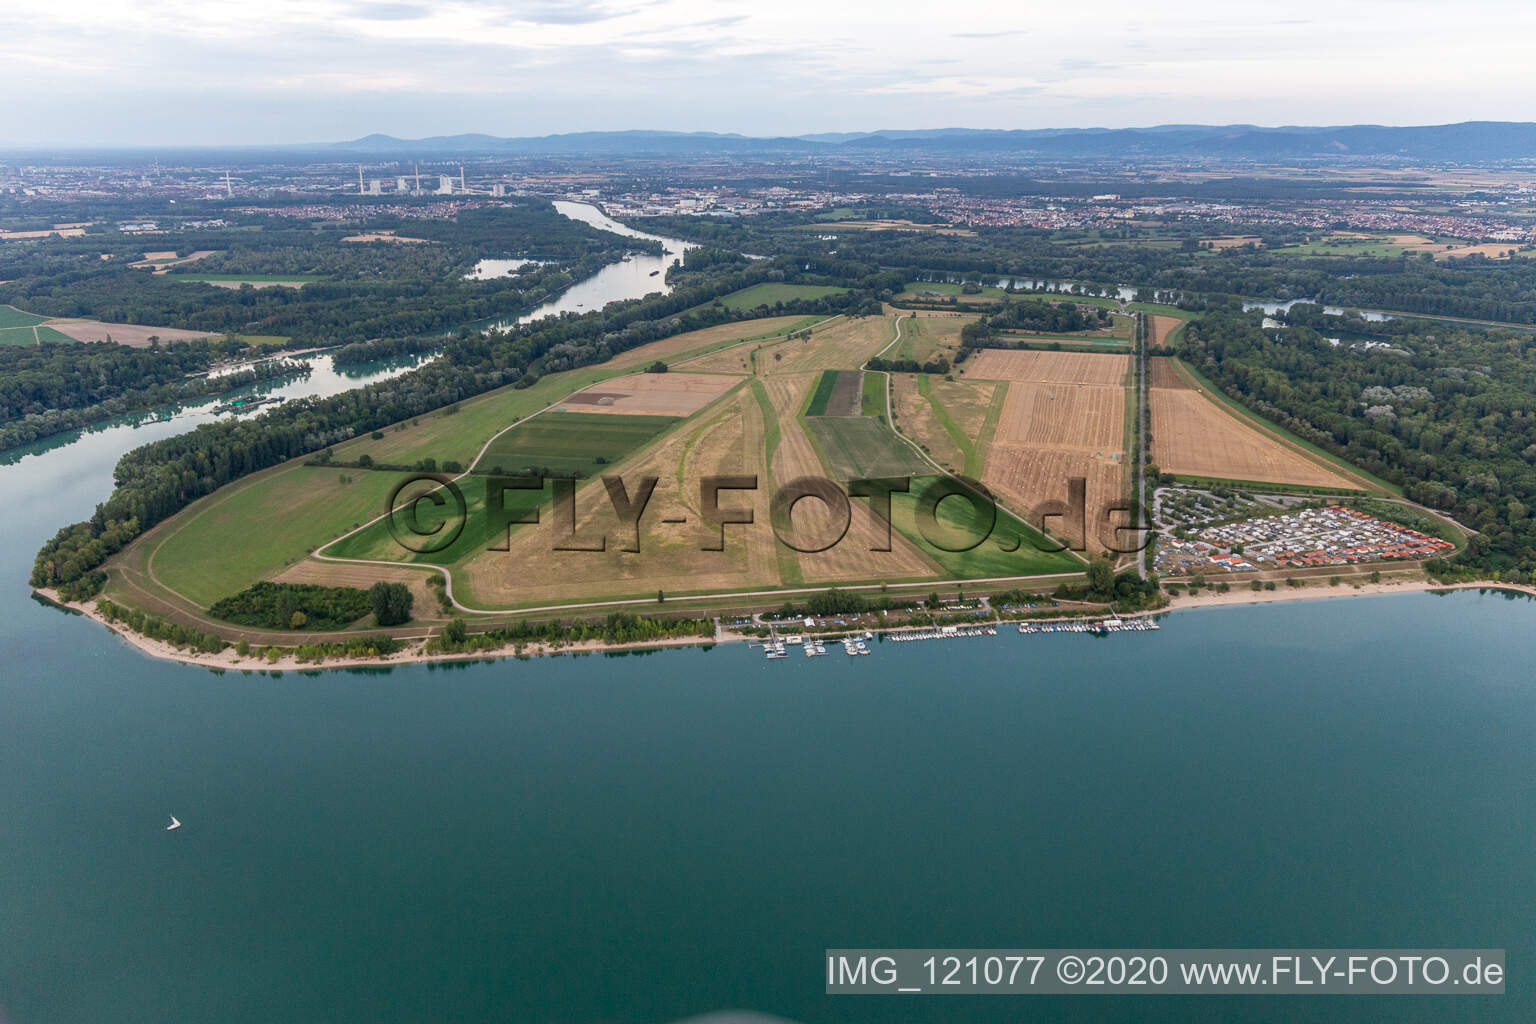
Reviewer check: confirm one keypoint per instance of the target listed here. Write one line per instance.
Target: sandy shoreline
(229, 660)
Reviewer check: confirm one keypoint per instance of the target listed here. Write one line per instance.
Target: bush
(391, 603)
(294, 606)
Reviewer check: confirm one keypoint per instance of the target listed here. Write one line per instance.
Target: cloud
(570, 12)
(991, 35)
(390, 12)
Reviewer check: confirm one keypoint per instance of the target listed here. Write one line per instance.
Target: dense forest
(1475, 287)
(355, 291)
(51, 388)
(1448, 413)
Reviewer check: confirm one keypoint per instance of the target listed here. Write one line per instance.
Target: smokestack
(360, 180)
(418, 179)
(229, 189)
(461, 179)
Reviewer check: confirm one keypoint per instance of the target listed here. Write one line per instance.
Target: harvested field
(161, 262)
(1049, 367)
(132, 335)
(1064, 417)
(851, 558)
(652, 394)
(948, 418)
(1192, 435)
(62, 232)
(1026, 478)
(671, 557)
(1162, 329)
(1161, 374)
(1492, 250)
(386, 236)
(1071, 416)
(236, 285)
(1232, 241)
(844, 344)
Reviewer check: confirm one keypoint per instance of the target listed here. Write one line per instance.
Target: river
(648, 837)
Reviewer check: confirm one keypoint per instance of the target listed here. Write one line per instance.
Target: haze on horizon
(132, 72)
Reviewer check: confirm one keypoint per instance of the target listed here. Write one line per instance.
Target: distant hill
(1471, 141)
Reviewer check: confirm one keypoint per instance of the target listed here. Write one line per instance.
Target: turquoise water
(643, 838)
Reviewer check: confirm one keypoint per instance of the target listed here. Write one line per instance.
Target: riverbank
(229, 659)
(415, 652)
(1317, 591)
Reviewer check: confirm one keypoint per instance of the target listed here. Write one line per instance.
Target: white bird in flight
(174, 823)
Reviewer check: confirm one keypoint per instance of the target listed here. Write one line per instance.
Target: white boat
(174, 823)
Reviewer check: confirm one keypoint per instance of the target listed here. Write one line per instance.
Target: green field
(10, 316)
(949, 288)
(570, 443)
(16, 336)
(987, 560)
(862, 447)
(872, 398)
(377, 544)
(768, 294)
(825, 385)
(232, 543)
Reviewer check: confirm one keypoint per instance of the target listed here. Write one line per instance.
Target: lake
(649, 837)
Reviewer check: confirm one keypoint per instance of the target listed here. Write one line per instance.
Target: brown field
(1194, 436)
(1492, 250)
(352, 574)
(62, 232)
(727, 360)
(162, 262)
(1049, 367)
(652, 394)
(237, 285)
(1162, 328)
(1025, 477)
(1064, 417)
(1231, 241)
(133, 335)
(1161, 374)
(386, 236)
(966, 403)
(851, 558)
(842, 345)
(727, 441)
(1072, 416)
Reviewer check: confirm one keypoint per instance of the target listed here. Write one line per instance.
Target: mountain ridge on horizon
(1466, 140)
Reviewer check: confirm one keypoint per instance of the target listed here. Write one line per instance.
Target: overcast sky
(154, 72)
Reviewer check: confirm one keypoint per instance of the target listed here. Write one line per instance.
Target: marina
(857, 644)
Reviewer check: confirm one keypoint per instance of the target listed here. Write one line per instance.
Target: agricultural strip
(1192, 435)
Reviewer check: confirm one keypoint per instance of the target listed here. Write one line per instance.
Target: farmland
(1049, 367)
(652, 394)
(570, 443)
(1194, 436)
(1064, 417)
(680, 427)
(769, 294)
